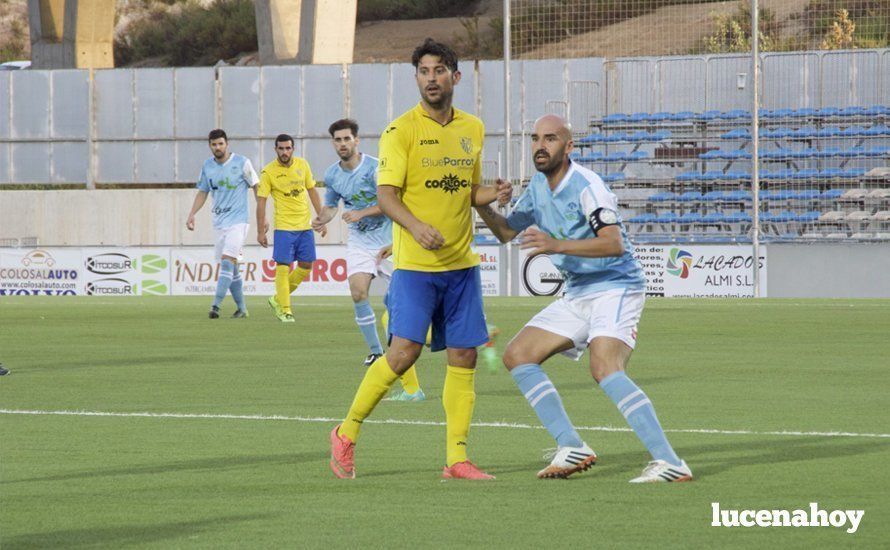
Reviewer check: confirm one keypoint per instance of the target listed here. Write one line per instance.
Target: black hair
(344, 124)
(282, 138)
(430, 47)
(216, 134)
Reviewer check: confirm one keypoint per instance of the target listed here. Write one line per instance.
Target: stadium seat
(660, 116)
(708, 115)
(612, 138)
(853, 195)
(878, 152)
(780, 113)
(683, 115)
(735, 114)
(615, 157)
(737, 133)
(589, 139)
(852, 152)
(805, 112)
(858, 217)
(710, 175)
(852, 131)
(781, 132)
(712, 155)
(803, 133)
(615, 117)
(667, 218)
(877, 130)
(775, 154)
(852, 111)
(832, 194)
(832, 217)
(808, 217)
(642, 218)
(713, 196)
(828, 132)
(664, 196)
(690, 218)
(736, 196)
(808, 174)
(808, 194)
(712, 218)
(659, 135)
(739, 154)
(831, 173)
(806, 152)
(687, 176)
(828, 152)
(828, 112)
(614, 177)
(878, 194)
(854, 173)
(592, 157)
(737, 217)
(689, 196)
(636, 155)
(638, 117)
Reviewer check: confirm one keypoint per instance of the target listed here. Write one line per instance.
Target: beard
(547, 165)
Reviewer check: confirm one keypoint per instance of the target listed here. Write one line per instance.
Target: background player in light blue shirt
(580, 228)
(226, 177)
(353, 181)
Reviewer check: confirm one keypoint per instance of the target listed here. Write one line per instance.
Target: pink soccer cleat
(465, 470)
(342, 455)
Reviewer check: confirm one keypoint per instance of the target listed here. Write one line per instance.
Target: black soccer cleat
(3, 371)
(240, 314)
(214, 312)
(369, 360)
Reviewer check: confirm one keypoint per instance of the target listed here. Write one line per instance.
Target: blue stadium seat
(713, 196)
(614, 177)
(808, 217)
(828, 152)
(877, 130)
(592, 138)
(667, 217)
(690, 217)
(828, 112)
(803, 133)
(620, 136)
(807, 152)
(615, 117)
(737, 217)
(831, 173)
(659, 135)
(734, 175)
(710, 175)
(708, 115)
(736, 196)
(592, 157)
(782, 216)
(712, 218)
(807, 174)
(687, 176)
(828, 131)
(781, 132)
(854, 173)
(739, 154)
(664, 196)
(805, 112)
(642, 218)
(852, 152)
(878, 152)
(738, 133)
(689, 196)
(683, 115)
(783, 174)
(832, 194)
(852, 111)
(711, 155)
(637, 155)
(638, 117)
(735, 113)
(776, 154)
(615, 157)
(852, 131)
(808, 194)
(660, 116)
(638, 136)
(874, 110)
(780, 113)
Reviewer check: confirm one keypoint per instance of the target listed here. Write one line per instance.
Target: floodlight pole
(755, 145)
(506, 259)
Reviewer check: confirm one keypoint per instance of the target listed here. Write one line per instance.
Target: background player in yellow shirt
(428, 180)
(288, 180)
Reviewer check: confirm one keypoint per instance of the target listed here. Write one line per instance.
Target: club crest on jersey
(571, 212)
(466, 144)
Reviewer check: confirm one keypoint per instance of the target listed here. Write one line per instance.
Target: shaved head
(551, 145)
(553, 124)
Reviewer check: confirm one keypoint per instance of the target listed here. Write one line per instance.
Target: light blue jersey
(358, 190)
(564, 214)
(227, 184)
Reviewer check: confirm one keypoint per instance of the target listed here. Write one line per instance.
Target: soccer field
(139, 422)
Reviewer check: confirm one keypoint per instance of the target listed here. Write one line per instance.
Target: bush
(733, 31)
(192, 36)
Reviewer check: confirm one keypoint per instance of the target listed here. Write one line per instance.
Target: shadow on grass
(215, 464)
(125, 535)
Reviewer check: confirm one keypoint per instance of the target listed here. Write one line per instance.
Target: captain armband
(602, 217)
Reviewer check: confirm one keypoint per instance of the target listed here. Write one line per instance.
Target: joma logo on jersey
(449, 183)
(429, 142)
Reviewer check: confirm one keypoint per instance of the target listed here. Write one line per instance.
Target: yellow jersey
(435, 167)
(288, 186)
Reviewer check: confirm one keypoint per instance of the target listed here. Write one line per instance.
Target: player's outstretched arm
(391, 204)
(200, 199)
(607, 243)
(502, 192)
(497, 223)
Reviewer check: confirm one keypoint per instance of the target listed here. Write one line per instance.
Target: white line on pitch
(426, 423)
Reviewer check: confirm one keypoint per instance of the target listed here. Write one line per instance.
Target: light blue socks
(367, 323)
(226, 273)
(640, 414)
(544, 399)
(237, 289)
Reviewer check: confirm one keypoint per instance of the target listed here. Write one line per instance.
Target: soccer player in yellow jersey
(288, 180)
(428, 180)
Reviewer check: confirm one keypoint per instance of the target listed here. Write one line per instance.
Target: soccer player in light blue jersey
(227, 178)
(580, 228)
(353, 181)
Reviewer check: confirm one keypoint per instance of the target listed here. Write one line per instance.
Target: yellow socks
(378, 379)
(296, 277)
(409, 380)
(282, 289)
(458, 398)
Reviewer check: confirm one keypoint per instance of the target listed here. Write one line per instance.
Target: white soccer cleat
(660, 471)
(567, 461)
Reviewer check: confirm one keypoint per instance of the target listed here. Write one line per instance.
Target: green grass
(763, 366)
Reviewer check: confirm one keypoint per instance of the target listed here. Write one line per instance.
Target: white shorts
(364, 260)
(614, 313)
(230, 241)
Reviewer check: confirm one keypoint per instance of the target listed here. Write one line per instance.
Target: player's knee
(601, 367)
(358, 294)
(514, 356)
(460, 357)
(304, 265)
(401, 359)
